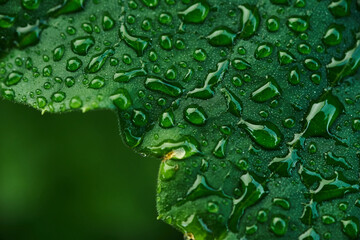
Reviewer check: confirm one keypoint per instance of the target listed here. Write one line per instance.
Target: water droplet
(73, 64)
(167, 119)
(253, 191)
(126, 76)
(7, 21)
(273, 24)
(58, 53)
(8, 94)
(97, 61)
(68, 6)
(294, 76)
(266, 134)
(284, 165)
(234, 105)
(312, 64)
(121, 99)
(334, 160)
(167, 170)
(29, 35)
(182, 148)
(333, 188)
(327, 219)
(337, 70)
(165, 18)
(13, 78)
(221, 37)
(195, 13)
(179, 44)
(195, 114)
(87, 28)
(356, 124)
(249, 21)
(281, 202)
(75, 103)
(131, 139)
(166, 42)
(150, 3)
(171, 73)
(69, 81)
(279, 225)
(351, 226)
(300, 3)
(97, 82)
(139, 118)
(304, 48)
(262, 216)
(200, 55)
(30, 4)
(240, 64)
(310, 234)
(173, 89)
(268, 91)
(286, 58)
(107, 22)
(339, 8)
(333, 35)
(315, 78)
(139, 44)
(250, 230)
(312, 148)
(298, 24)
(212, 79)
(82, 45)
(220, 148)
(58, 97)
(41, 102)
(264, 50)
(47, 71)
(212, 207)
(322, 115)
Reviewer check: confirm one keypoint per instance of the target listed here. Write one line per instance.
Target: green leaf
(239, 99)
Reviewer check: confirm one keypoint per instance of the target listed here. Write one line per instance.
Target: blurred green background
(69, 176)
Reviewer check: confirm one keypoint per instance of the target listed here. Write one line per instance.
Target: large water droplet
(351, 227)
(82, 45)
(195, 114)
(13, 78)
(298, 24)
(173, 89)
(268, 91)
(340, 8)
(126, 76)
(139, 44)
(266, 134)
(182, 148)
(58, 53)
(310, 234)
(279, 225)
(212, 79)
(333, 35)
(234, 105)
(249, 21)
(97, 61)
(195, 13)
(30, 4)
(68, 6)
(121, 98)
(221, 37)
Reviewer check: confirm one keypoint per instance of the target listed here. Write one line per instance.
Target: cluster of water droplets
(253, 97)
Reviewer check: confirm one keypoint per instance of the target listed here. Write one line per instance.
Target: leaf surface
(252, 106)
